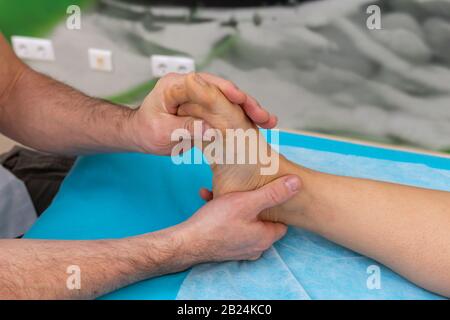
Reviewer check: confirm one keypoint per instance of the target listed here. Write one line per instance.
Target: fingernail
(200, 80)
(292, 183)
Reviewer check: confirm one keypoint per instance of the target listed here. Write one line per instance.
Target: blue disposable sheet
(119, 195)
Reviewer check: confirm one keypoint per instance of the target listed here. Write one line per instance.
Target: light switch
(162, 65)
(100, 60)
(33, 48)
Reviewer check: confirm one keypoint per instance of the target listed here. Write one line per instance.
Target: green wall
(33, 17)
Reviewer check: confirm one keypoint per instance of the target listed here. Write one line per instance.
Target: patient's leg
(406, 228)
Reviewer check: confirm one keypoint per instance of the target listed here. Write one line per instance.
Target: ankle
(295, 211)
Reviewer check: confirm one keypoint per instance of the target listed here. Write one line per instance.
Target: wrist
(168, 251)
(192, 244)
(132, 131)
(145, 132)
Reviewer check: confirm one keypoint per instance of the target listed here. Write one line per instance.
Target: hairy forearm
(47, 115)
(38, 269)
(403, 227)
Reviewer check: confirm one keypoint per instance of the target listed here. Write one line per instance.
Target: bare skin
(50, 116)
(37, 269)
(403, 227)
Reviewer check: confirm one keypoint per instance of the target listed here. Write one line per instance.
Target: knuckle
(255, 257)
(166, 80)
(265, 244)
(167, 94)
(172, 92)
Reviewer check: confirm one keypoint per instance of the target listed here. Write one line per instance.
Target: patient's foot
(212, 106)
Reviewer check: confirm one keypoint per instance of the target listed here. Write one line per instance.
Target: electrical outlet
(33, 48)
(183, 64)
(162, 65)
(100, 60)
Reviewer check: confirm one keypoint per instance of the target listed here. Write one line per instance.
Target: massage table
(119, 195)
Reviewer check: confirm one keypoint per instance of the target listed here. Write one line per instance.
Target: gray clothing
(17, 212)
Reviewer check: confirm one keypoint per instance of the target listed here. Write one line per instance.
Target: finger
(254, 257)
(271, 123)
(274, 193)
(277, 229)
(228, 88)
(235, 95)
(205, 194)
(255, 112)
(173, 92)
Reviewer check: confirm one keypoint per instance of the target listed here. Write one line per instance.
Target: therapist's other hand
(156, 119)
(228, 228)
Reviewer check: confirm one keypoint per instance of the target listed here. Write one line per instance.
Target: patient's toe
(209, 103)
(173, 96)
(201, 92)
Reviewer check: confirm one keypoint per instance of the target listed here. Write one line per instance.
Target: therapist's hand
(156, 119)
(228, 228)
